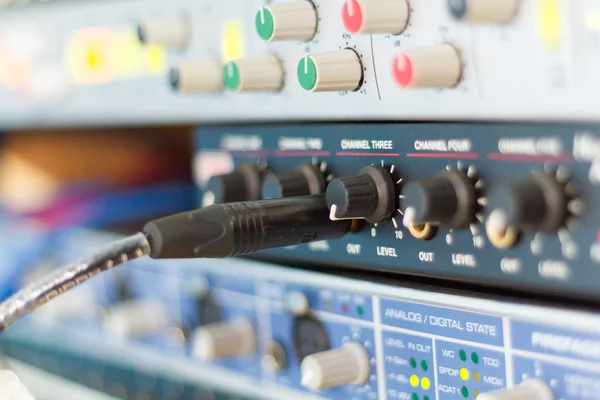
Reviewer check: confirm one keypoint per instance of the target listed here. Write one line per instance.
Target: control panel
(508, 205)
(148, 61)
(295, 334)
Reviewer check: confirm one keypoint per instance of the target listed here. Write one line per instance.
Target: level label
(555, 341)
(409, 367)
(442, 322)
(466, 371)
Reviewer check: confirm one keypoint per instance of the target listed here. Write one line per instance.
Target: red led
(352, 16)
(344, 308)
(402, 70)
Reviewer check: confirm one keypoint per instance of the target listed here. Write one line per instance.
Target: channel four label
(555, 341)
(442, 322)
(409, 368)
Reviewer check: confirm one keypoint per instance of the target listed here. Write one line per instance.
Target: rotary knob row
(542, 202)
(341, 70)
(254, 182)
(298, 20)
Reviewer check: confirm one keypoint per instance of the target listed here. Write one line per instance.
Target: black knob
(537, 203)
(307, 179)
(370, 195)
(240, 185)
(449, 199)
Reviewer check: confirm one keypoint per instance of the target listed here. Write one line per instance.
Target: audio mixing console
(147, 61)
(510, 205)
(289, 334)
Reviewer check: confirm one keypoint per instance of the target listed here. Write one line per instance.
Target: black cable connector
(226, 230)
(217, 231)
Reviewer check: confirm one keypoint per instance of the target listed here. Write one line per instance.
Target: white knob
(224, 340)
(197, 77)
(436, 66)
(530, 389)
(263, 73)
(375, 16)
(295, 20)
(296, 303)
(347, 365)
(339, 70)
(172, 32)
(137, 318)
(493, 11)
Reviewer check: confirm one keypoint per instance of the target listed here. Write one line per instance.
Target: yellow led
(232, 42)
(476, 377)
(425, 383)
(592, 20)
(155, 59)
(464, 374)
(548, 22)
(414, 381)
(89, 57)
(127, 54)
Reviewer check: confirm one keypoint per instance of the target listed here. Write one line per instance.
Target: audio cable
(217, 231)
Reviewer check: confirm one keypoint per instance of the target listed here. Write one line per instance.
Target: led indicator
(476, 377)
(476, 393)
(414, 381)
(548, 21)
(344, 308)
(155, 60)
(89, 56)
(424, 365)
(232, 44)
(425, 397)
(425, 383)
(413, 362)
(464, 374)
(475, 357)
(415, 396)
(464, 391)
(307, 73)
(463, 355)
(360, 310)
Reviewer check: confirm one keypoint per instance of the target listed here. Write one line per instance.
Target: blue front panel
(566, 263)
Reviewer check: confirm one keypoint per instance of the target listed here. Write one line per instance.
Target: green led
(424, 365)
(415, 396)
(426, 398)
(475, 357)
(413, 362)
(463, 355)
(360, 310)
(464, 391)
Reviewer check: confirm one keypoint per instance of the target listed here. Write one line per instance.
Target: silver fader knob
(138, 317)
(335, 71)
(347, 365)
(295, 20)
(490, 11)
(171, 32)
(224, 340)
(197, 77)
(530, 389)
(263, 73)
